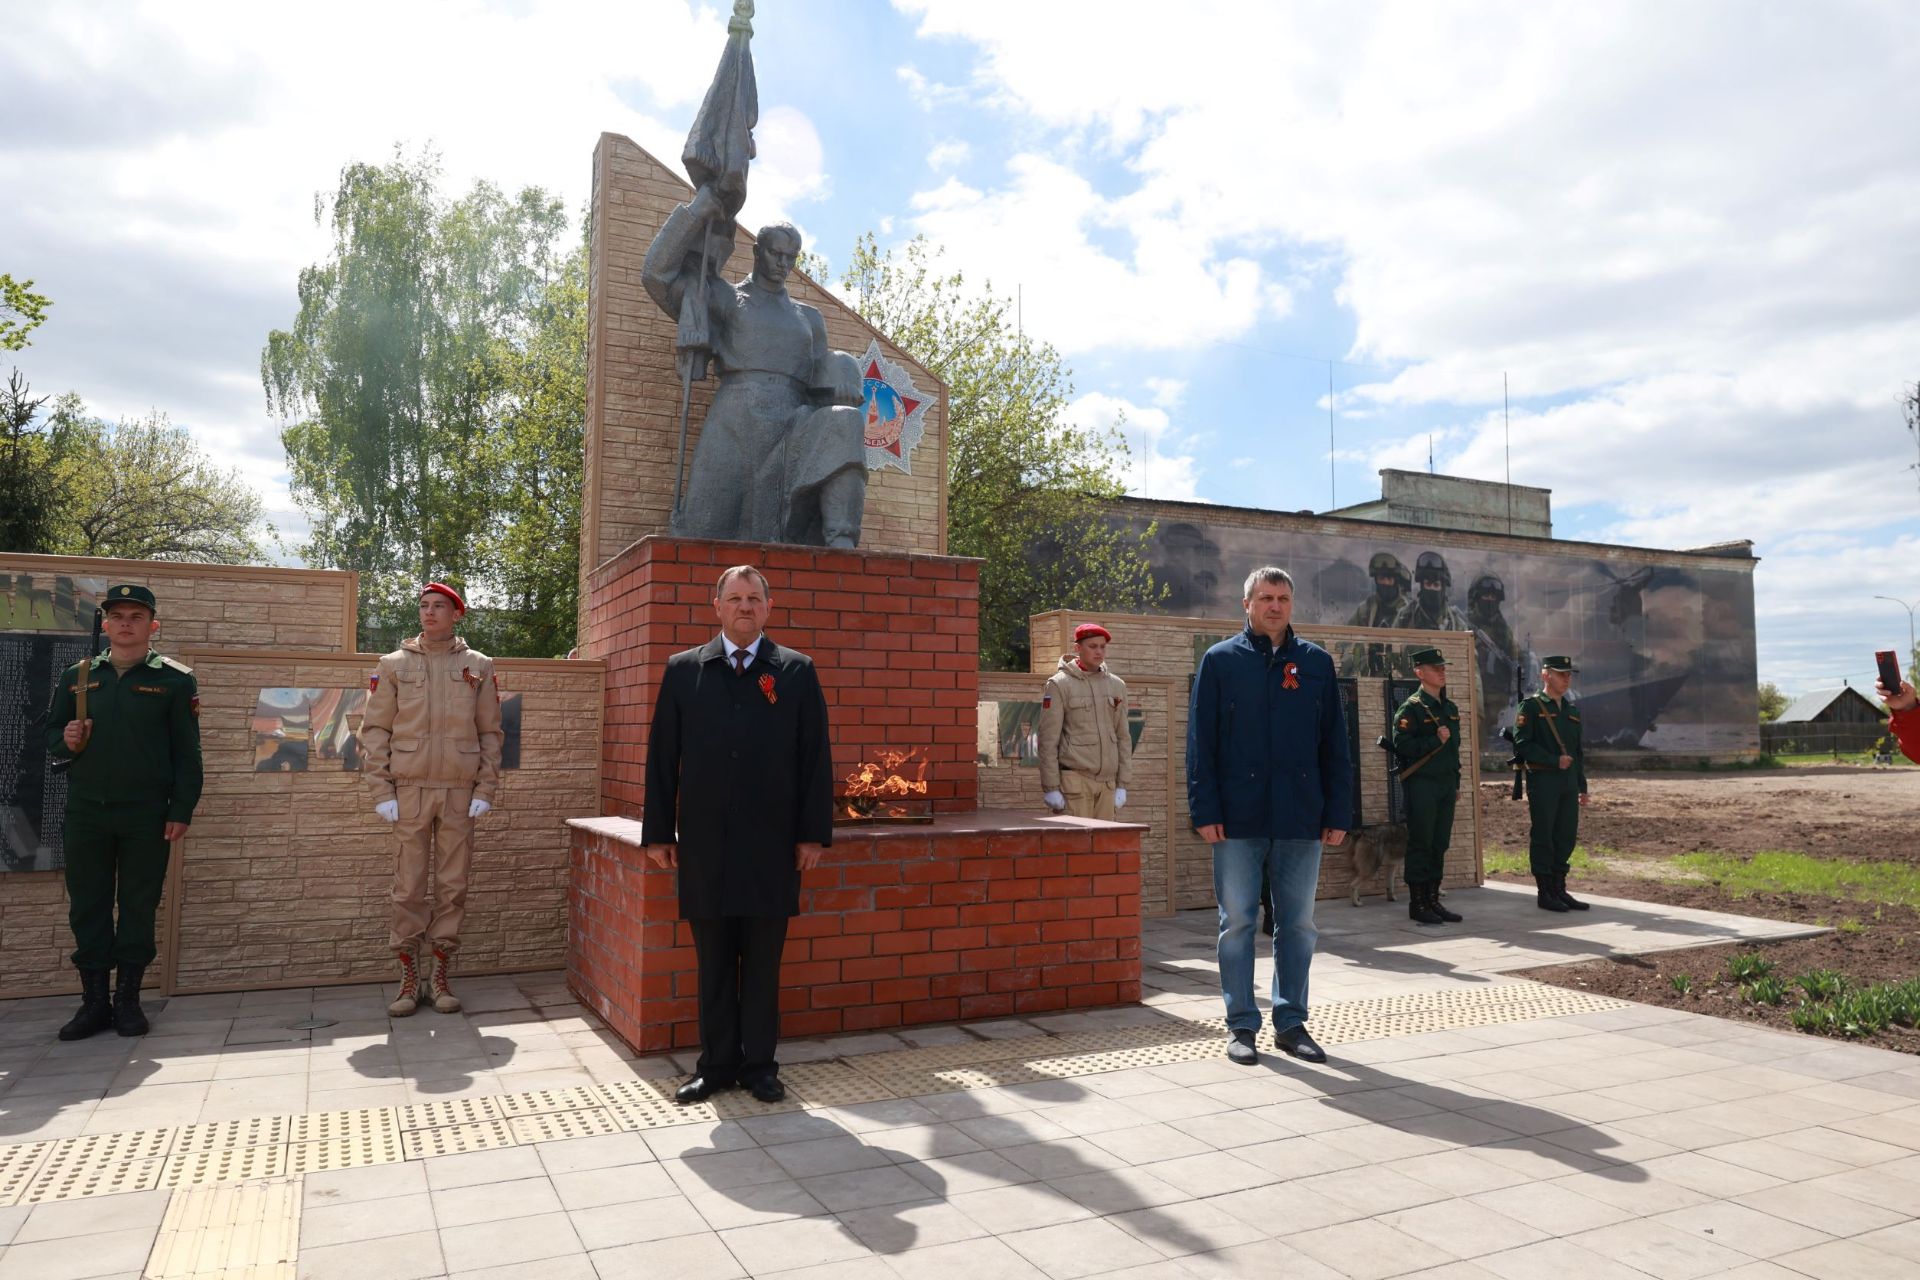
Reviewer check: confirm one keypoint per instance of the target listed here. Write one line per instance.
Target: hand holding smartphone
(1889, 670)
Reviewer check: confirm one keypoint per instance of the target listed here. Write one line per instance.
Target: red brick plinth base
(980, 915)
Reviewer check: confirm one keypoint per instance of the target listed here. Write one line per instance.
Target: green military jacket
(1541, 729)
(1416, 737)
(146, 734)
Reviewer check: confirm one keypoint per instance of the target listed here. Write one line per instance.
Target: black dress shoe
(1295, 1042)
(768, 1089)
(698, 1089)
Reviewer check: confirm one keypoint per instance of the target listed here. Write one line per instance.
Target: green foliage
(1822, 984)
(430, 389)
(1026, 491)
(1767, 990)
(21, 312)
(1681, 983)
(1514, 862)
(144, 490)
(1772, 702)
(1748, 965)
(75, 485)
(1787, 872)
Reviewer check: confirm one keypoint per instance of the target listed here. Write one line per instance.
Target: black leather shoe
(1545, 898)
(1439, 908)
(1295, 1042)
(96, 1006)
(698, 1089)
(1560, 891)
(768, 1089)
(1240, 1048)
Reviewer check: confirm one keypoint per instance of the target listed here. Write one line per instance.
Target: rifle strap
(1407, 771)
(1554, 729)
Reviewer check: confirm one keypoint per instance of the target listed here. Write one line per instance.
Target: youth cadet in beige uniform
(1086, 753)
(432, 738)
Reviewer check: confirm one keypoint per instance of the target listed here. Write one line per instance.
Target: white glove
(479, 807)
(1055, 801)
(388, 809)
(1119, 797)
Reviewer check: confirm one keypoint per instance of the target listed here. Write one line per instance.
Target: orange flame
(874, 782)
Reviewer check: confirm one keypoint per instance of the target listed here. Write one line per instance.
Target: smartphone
(1889, 669)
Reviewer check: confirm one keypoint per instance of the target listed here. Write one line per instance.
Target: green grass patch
(1514, 862)
(1780, 871)
(1823, 984)
(1863, 759)
(1768, 990)
(1748, 965)
(1681, 983)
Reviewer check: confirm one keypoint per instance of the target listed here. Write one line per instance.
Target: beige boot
(409, 998)
(443, 998)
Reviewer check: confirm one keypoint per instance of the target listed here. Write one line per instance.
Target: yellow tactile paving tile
(243, 1151)
(249, 1231)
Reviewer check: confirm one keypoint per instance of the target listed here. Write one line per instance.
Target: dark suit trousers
(739, 959)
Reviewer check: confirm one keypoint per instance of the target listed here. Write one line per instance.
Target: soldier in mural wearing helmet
(1546, 736)
(1390, 583)
(1427, 609)
(1498, 652)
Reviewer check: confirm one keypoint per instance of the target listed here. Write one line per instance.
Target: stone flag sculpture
(781, 454)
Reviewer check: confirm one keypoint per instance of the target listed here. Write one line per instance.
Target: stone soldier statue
(1086, 753)
(1390, 583)
(131, 788)
(1427, 609)
(1546, 736)
(1426, 738)
(1495, 648)
(782, 454)
(432, 737)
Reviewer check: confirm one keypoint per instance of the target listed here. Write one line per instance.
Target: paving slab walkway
(1470, 1125)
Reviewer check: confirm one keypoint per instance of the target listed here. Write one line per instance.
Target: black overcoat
(741, 768)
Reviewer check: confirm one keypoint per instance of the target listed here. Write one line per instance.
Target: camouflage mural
(1665, 644)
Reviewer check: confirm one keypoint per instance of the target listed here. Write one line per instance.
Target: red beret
(1086, 629)
(442, 588)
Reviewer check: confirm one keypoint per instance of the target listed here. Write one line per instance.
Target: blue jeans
(1292, 870)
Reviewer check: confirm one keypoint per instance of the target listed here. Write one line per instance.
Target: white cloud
(163, 159)
(950, 153)
(1155, 466)
(1167, 392)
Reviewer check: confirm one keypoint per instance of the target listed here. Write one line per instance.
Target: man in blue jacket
(1269, 782)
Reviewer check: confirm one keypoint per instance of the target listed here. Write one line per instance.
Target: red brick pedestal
(895, 638)
(980, 915)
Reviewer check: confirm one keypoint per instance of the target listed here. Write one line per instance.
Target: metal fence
(1398, 691)
(1823, 739)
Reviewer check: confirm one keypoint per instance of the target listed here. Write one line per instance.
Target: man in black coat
(740, 799)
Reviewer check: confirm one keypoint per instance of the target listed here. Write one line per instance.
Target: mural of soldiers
(1427, 609)
(1495, 648)
(1390, 584)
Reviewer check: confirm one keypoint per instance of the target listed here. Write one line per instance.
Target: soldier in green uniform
(1546, 736)
(1498, 652)
(1390, 583)
(1426, 738)
(131, 789)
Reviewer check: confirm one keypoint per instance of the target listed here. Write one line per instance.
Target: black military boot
(1439, 908)
(1560, 891)
(1420, 905)
(1545, 897)
(128, 1019)
(96, 1006)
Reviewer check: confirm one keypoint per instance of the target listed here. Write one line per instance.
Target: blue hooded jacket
(1265, 760)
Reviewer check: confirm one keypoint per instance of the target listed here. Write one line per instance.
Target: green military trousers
(1429, 826)
(1553, 804)
(114, 851)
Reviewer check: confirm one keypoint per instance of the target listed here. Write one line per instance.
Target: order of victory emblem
(893, 412)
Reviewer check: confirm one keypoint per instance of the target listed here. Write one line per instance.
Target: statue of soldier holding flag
(781, 452)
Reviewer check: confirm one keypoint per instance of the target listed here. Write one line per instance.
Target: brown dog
(1383, 844)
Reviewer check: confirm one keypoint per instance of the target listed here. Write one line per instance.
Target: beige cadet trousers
(1086, 795)
(436, 842)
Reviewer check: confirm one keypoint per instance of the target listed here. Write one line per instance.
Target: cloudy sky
(1687, 236)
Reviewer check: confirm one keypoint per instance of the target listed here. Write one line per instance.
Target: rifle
(80, 691)
(1515, 763)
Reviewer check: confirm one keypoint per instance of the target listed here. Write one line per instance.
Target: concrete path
(1620, 1141)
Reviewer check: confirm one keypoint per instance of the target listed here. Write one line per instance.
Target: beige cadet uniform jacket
(1083, 726)
(433, 720)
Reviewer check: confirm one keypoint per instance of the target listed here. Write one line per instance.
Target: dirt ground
(1830, 811)
(1636, 822)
